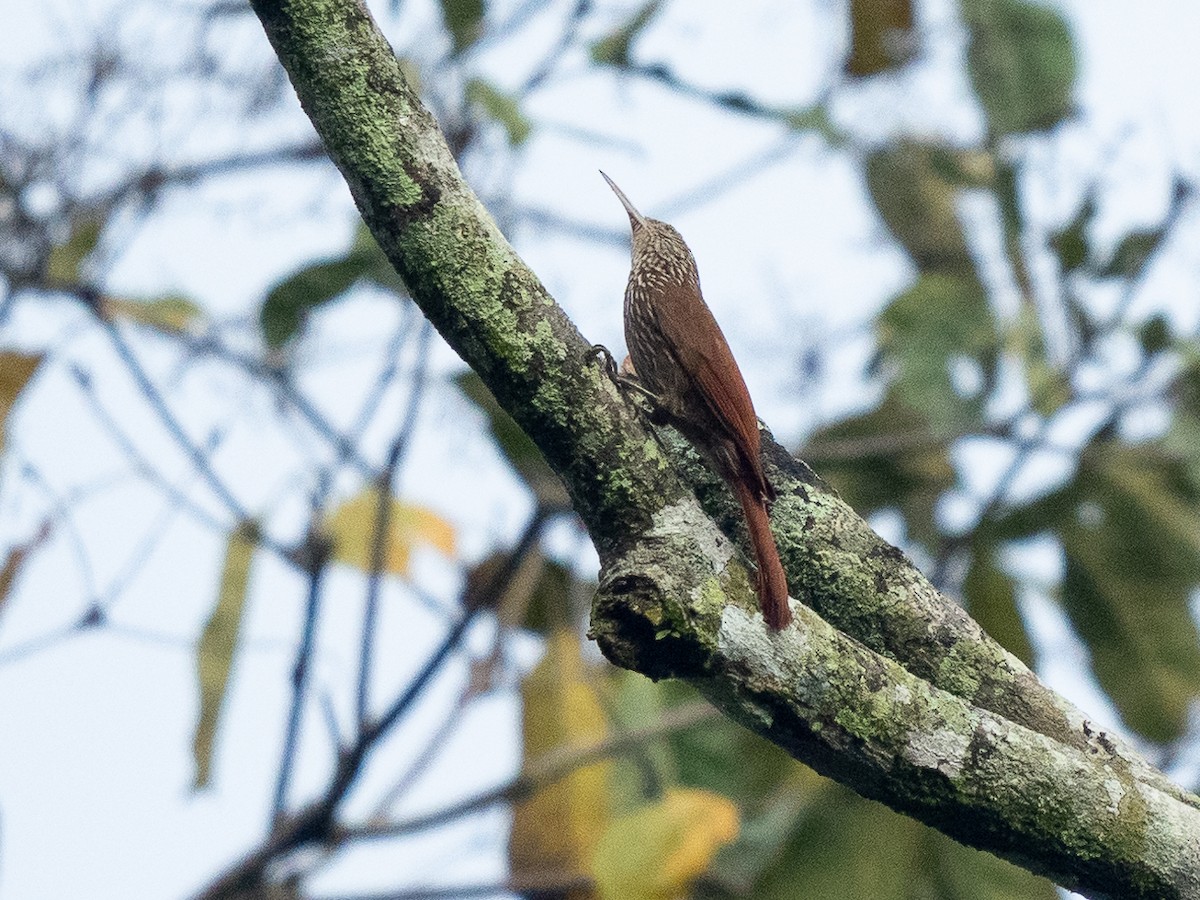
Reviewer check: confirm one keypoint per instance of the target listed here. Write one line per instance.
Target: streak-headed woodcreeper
(684, 362)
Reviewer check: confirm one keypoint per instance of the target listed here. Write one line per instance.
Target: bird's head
(656, 244)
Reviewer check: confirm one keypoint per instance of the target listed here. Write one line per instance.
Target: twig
(91, 298)
(347, 451)
(142, 466)
(146, 184)
(550, 887)
(429, 753)
(316, 550)
(391, 365)
(39, 643)
(383, 516)
(548, 219)
(808, 117)
(1025, 447)
(150, 541)
(209, 346)
(60, 510)
(731, 178)
(316, 821)
(554, 56)
(541, 772)
(1183, 192)
(331, 719)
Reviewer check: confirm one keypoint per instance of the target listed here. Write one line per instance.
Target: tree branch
(908, 703)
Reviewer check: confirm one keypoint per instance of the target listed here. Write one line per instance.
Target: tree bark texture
(882, 683)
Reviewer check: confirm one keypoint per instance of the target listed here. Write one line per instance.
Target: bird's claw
(600, 352)
(626, 380)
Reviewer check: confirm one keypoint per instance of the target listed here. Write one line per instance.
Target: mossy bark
(882, 683)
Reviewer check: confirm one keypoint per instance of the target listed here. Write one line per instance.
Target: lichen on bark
(882, 682)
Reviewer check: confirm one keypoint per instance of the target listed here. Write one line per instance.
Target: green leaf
(378, 269)
(464, 21)
(767, 830)
(558, 828)
(1022, 64)
(815, 119)
(501, 108)
(909, 186)
(65, 259)
(844, 846)
(521, 452)
(16, 370)
(881, 36)
(657, 851)
(886, 458)
(1155, 335)
(990, 596)
(218, 641)
(1070, 244)
(538, 594)
(801, 829)
(1048, 385)
(1130, 529)
(613, 49)
(1132, 254)
(724, 757)
(290, 301)
(962, 168)
(635, 701)
(941, 318)
(1129, 526)
(718, 757)
(1183, 439)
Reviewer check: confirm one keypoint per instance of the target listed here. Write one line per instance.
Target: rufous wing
(700, 347)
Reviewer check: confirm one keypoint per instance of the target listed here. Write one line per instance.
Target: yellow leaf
(881, 37)
(171, 313)
(16, 560)
(62, 265)
(655, 853)
(218, 641)
(352, 526)
(15, 371)
(558, 828)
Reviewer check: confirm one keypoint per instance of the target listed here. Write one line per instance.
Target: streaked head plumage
(659, 251)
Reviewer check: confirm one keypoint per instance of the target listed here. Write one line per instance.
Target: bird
(682, 360)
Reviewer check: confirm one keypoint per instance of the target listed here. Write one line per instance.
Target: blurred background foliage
(1020, 342)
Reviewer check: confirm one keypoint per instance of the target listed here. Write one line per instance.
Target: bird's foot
(602, 353)
(626, 379)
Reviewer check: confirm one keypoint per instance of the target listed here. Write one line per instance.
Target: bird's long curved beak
(636, 219)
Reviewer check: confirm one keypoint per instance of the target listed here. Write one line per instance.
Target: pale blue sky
(95, 752)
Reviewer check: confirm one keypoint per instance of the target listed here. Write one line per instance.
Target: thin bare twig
(428, 754)
(316, 551)
(387, 374)
(532, 887)
(209, 346)
(383, 522)
(92, 299)
(316, 822)
(539, 773)
(553, 57)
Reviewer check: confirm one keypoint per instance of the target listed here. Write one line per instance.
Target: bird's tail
(772, 582)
